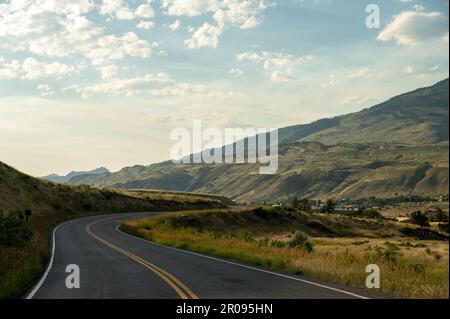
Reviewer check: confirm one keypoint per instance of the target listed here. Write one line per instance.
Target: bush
(245, 235)
(418, 269)
(368, 214)
(444, 227)
(14, 231)
(277, 244)
(308, 246)
(329, 207)
(390, 254)
(301, 204)
(419, 218)
(261, 212)
(300, 240)
(297, 240)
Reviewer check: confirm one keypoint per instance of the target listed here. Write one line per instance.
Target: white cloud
(356, 99)
(31, 69)
(9, 70)
(250, 23)
(49, 28)
(112, 47)
(282, 76)
(435, 68)
(160, 84)
(206, 36)
(408, 69)
(233, 13)
(364, 72)
(146, 25)
(236, 72)
(419, 7)
(174, 26)
(281, 65)
(154, 84)
(145, 11)
(117, 9)
(331, 82)
(45, 90)
(109, 71)
(411, 28)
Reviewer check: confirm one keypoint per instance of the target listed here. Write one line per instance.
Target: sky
(89, 83)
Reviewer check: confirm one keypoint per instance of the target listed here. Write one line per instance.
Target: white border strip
(244, 266)
(49, 267)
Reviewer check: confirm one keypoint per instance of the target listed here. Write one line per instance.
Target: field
(331, 247)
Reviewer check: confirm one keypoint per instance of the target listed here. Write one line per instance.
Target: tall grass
(405, 272)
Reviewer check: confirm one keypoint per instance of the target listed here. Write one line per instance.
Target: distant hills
(398, 147)
(64, 179)
(19, 191)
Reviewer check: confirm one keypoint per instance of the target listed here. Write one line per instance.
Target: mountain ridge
(396, 147)
(66, 178)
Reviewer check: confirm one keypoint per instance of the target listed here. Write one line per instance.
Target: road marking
(50, 264)
(245, 266)
(181, 289)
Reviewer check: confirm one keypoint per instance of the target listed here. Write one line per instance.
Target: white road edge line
(244, 266)
(50, 264)
(49, 267)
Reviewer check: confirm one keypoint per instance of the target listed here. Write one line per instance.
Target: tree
(419, 218)
(329, 206)
(28, 214)
(301, 204)
(441, 216)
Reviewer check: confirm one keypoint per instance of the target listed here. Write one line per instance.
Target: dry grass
(409, 268)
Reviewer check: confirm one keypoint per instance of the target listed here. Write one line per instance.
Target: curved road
(119, 266)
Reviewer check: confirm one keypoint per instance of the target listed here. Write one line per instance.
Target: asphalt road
(115, 265)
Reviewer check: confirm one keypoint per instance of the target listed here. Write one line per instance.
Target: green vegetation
(30, 208)
(332, 247)
(14, 231)
(375, 201)
(301, 204)
(419, 218)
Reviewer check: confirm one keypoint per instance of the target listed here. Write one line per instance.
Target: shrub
(329, 207)
(300, 240)
(261, 212)
(368, 214)
(308, 246)
(301, 204)
(14, 231)
(444, 227)
(277, 244)
(245, 235)
(297, 240)
(419, 218)
(263, 242)
(418, 269)
(390, 254)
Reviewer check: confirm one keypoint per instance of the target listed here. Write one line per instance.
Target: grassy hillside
(21, 261)
(398, 147)
(418, 117)
(332, 247)
(305, 169)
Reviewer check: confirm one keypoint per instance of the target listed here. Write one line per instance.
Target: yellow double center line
(181, 289)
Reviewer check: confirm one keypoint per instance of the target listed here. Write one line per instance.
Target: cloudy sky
(86, 83)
